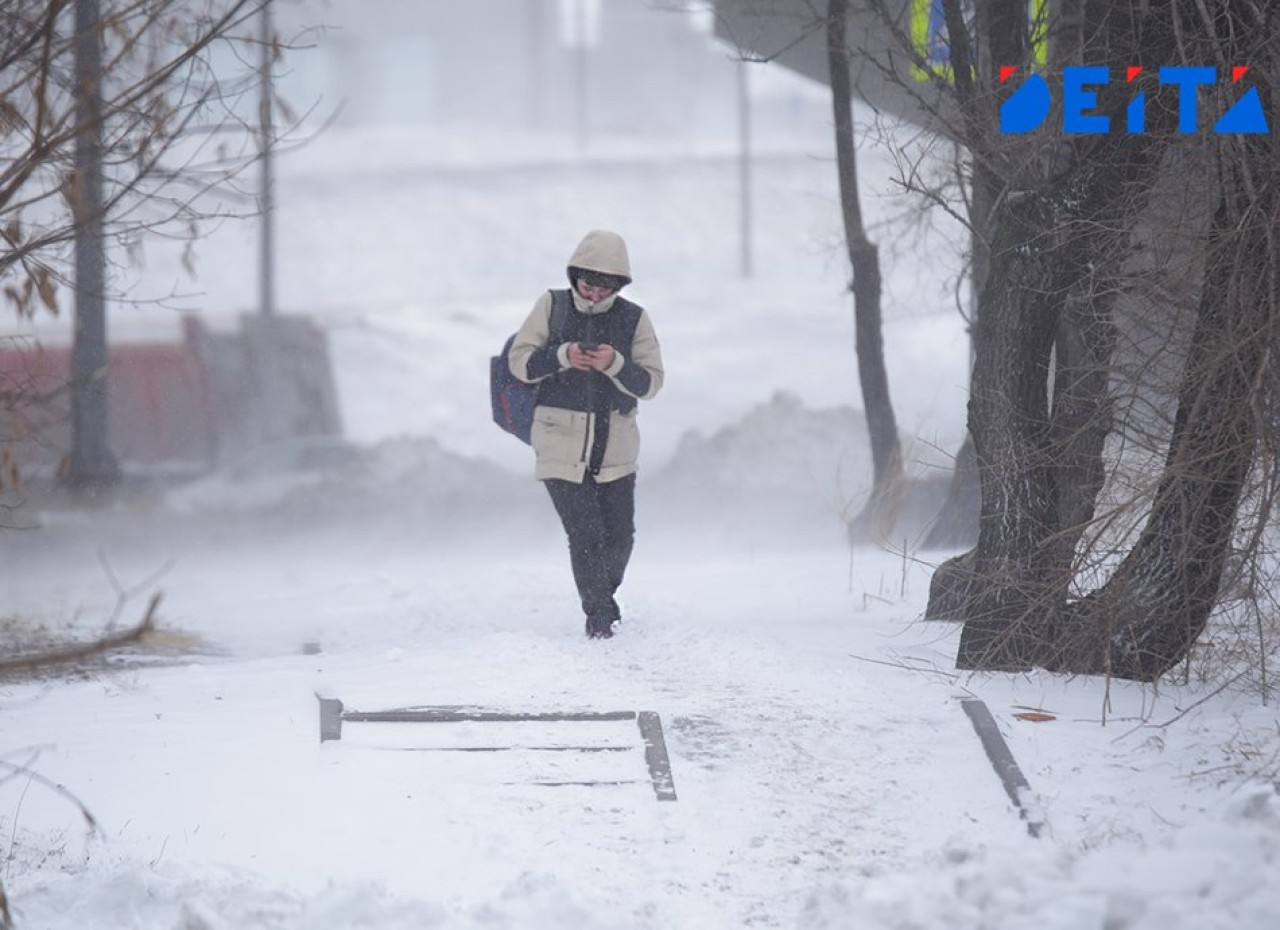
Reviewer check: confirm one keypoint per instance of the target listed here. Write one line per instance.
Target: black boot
(599, 627)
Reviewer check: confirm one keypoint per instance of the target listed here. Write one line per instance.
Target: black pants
(599, 519)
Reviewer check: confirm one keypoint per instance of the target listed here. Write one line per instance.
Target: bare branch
(78, 653)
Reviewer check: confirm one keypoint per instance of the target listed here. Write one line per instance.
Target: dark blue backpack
(513, 400)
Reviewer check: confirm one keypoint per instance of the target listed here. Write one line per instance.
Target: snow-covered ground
(826, 774)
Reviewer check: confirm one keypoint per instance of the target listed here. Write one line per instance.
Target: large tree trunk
(1004, 595)
(1147, 617)
(878, 517)
(1012, 589)
(1044, 338)
(1052, 300)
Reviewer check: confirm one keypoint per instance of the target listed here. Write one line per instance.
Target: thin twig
(123, 594)
(1172, 720)
(90, 821)
(907, 668)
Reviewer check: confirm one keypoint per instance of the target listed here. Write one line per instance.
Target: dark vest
(590, 391)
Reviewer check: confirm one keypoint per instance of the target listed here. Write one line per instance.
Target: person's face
(594, 293)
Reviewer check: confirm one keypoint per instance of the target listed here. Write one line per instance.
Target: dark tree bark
(1039, 485)
(1052, 300)
(1009, 423)
(956, 524)
(1147, 617)
(876, 520)
(1039, 408)
(1059, 218)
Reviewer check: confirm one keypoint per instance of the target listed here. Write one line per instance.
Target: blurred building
(619, 66)
(191, 404)
(644, 68)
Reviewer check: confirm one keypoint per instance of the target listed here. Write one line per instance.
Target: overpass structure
(900, 52)
(886, 52)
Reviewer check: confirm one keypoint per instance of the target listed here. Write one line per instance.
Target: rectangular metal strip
(333, 715)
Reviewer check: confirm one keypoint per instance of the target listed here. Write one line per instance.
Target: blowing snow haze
(826, 775)
(585, 67)
(470, 147)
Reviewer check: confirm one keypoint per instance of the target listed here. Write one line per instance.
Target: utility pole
(744, 165)
(535, 83)
(91, 466)
(266, 193)
(581, 73)
(582, 36)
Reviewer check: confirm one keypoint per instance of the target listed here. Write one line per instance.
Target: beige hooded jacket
(561, 438)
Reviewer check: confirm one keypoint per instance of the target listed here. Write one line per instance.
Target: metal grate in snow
(333, 715)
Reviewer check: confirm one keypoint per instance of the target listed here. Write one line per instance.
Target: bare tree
(1068, 247)
(119, 117)
(880, 512)
(1150, 613)
(1057, 266)
(1057, 234)
(877, 519)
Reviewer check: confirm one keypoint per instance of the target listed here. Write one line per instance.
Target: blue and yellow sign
(931, 41)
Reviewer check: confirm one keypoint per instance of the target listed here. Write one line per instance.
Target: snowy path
(794, 763)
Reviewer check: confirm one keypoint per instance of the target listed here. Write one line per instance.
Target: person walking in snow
(594, 354)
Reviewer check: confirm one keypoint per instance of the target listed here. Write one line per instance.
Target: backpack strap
(561, 303)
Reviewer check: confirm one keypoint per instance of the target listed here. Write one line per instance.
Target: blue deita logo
(1026, 109)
